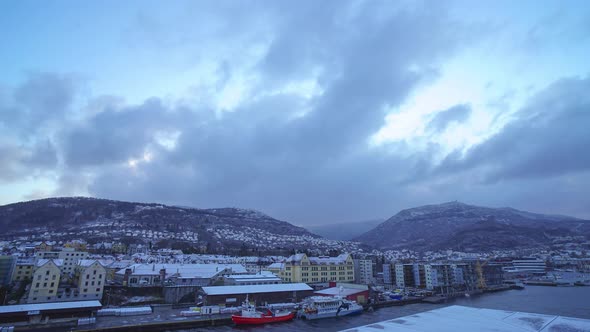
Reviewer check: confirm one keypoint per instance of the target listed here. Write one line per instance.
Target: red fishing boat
(251, 316)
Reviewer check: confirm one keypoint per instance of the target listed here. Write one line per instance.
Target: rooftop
(7, 309)
(459, 318)
(56, 261)
(250, 289)
(184, 270)
(88, 262)
(337, 291)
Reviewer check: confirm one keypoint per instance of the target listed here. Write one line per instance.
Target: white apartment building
(363, 271)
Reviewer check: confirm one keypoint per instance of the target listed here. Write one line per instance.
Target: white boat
(317, 307)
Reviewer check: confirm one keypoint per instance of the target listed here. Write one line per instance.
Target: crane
(481, 281)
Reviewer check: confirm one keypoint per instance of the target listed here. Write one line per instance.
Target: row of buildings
(444, 276)
(71, 274)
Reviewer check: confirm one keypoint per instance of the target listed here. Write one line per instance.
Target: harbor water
(563, 301)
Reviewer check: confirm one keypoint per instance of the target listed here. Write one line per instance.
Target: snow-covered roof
(261, 275)
(295, 258)
(48, 306)
(120, 264)
(276, 266)
(88, 262)
(56, 261)
(459, 318)
(329, 260)
(337, 291)
(251, 289)
(184, 270)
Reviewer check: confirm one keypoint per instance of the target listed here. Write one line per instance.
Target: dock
(163, 325)
(392, 303)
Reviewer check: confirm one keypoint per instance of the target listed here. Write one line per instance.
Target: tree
(243, 249)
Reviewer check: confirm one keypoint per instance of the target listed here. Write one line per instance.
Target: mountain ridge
(100, 219)
(456, 225)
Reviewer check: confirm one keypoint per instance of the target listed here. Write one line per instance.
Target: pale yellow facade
(300, 268)
(23, 271)
(45, 282)
(90, 278)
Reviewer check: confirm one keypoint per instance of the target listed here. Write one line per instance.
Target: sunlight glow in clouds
(310, 111)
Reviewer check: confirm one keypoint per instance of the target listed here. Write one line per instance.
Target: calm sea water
(563, 301)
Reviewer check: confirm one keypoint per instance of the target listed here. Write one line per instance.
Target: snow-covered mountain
(459, 226)
(97, 220)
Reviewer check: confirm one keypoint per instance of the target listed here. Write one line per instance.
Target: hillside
(98, 220)
(465, 227)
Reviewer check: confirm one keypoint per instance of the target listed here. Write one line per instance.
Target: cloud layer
(283, 118)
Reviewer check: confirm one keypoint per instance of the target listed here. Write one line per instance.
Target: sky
(313, 112)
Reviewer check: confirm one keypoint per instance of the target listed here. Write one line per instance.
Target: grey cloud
(116, 135)
(311, 167)
(314, 167)
(42, 156)
(41, 101)
(442, 119)
(549, 137)
(9, 166)
(20, 161)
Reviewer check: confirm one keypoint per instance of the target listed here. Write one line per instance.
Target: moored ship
(317, 307)
(251, 316)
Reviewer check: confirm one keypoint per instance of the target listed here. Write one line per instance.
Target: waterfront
(563, 301)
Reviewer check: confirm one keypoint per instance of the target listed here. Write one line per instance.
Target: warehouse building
(232, 296)
(34, 313)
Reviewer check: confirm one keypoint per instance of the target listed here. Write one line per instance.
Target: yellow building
(90, 278)
(300, 268)
(45, 281)
(23, 270)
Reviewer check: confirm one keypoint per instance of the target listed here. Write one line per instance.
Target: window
(86, 283)
(51, 291)
(52, 284)
(53, 277)
(47, 272)
(85, 290)
(44, 284)
(98, 289)
(37, 285)
(94, 272)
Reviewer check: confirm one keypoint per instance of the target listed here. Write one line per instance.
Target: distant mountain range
(459, 226)
(344, 231)
(106, 220)
(451, 225)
